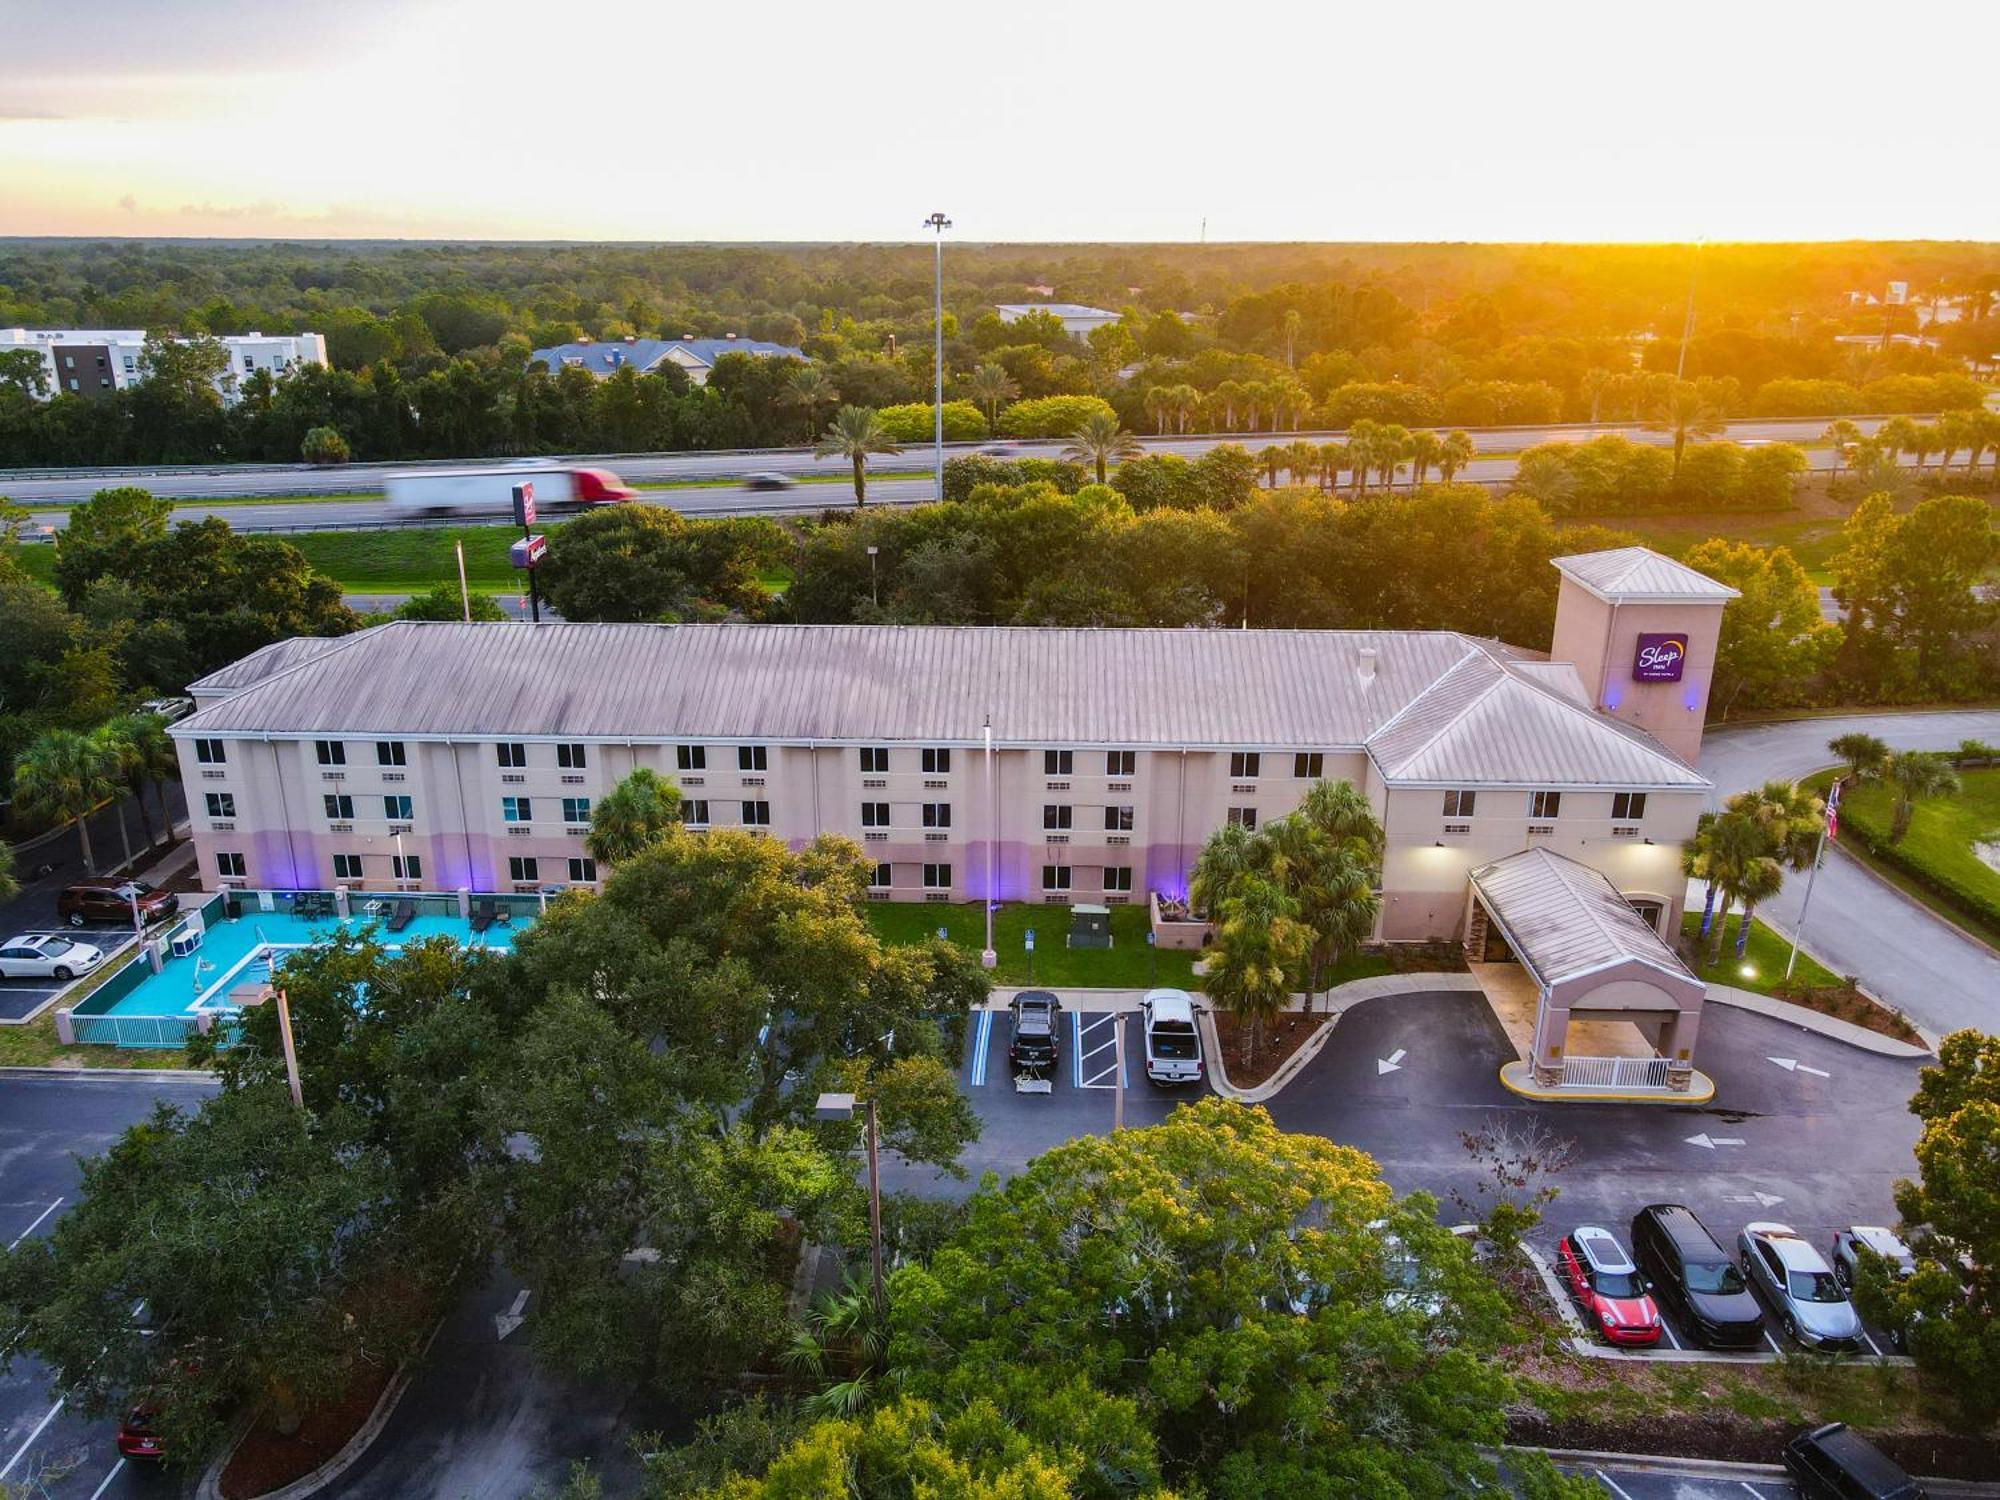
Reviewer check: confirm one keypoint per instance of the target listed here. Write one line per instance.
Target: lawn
(1936, 860)
(1763, 962)
(1128, 964)
(35, 1046)
(412, 561)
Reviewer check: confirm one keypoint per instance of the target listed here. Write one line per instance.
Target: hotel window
(1628, 806)
(222, 804)
(347, 867)
(330, 752)
(751, 758)
(1055, 877)
(518, 809)
(937, 815)
(1544, 805)
(756, 815)
(512, 755)
(1458, 804)
(582, 871)
(695, 813)
(937, 762)
(389, 753)
(571, 756)
(1118, 877)
(522, 868)
(1245, 764)
(1056, 815)
(576, 809)
(1118, 819)
(1058, 762)
(407, 866)
(209, 752)
(229, 866)
(397, 809)
(937, 877)
(340, 807)
(1120, 762)
(1309, 765)
(874, 815)
(691, 757)
(874, 760)
(881, 879)
(1243, 817)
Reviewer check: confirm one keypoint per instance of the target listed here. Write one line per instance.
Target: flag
(1833, 811)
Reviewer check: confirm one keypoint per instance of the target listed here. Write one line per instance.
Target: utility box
(1090, 927)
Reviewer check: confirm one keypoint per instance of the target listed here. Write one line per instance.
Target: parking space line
(1610, 1484)
(1668, 1329)
(1772, 1342)
(979, 1044)
(9, 1467)
(38, 1219)
(1076, 1047)
(99, 1491)
(1870, 1342)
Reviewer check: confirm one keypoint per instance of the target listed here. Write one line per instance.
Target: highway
(45, 493)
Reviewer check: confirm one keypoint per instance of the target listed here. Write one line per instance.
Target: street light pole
(291, 1051)
(874, 581)
(990, 958)
(841, 1107)
(1687, 324)
(939, 223)
(1826, 817)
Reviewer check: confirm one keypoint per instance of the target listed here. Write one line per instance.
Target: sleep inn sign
(1659, 657)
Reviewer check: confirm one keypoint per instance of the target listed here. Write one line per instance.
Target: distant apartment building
(605, 357)
(1078, 321)
(97, 361)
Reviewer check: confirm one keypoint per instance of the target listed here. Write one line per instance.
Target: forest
(429, 343)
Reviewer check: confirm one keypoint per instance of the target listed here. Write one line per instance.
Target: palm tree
(1332, 458)
(1956, 430)
(119, 756)
(1302, 459)
(1293, 323)
(1259, 941)
(1327, 855)
(811, 387)
(1229, 854)
(1866, 756)
(990, 385)
(1158, 404)
(1759, 881)
(1924, 441)
(63, 772)
(1687, 411)
(1230, 394)
(1695, 866)
(1915, 775)
(1187, 403)
(1363, 444)
(1273, 457)
(1454, 453)
(9, 886)
(1896, 437)
(632, 817)
(855, 432)
(1100, 441)
(1295, 401)
(1734, 845)
(1392, 447)
(1791, 818)
(1424, 449)
(1597, 383)
(147, 757)
(1845, 440)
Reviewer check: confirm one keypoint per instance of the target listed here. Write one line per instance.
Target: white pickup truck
(1173, 1046)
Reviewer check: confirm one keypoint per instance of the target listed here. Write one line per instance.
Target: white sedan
(47, 956)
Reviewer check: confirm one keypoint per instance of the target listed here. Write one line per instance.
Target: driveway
(45, 1123)
(1858, 925)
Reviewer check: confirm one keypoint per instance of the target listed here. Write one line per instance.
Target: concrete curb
(350, 1453)
(170, 1075)
(1518, 1078)
(1340, 1000)
(1827, 1026)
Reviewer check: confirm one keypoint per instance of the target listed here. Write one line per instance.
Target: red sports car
(1607, 1286)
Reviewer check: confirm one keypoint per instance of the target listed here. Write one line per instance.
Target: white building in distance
(1078, 321)
(98, 361)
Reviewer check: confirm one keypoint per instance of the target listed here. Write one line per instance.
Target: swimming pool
(138, 1007)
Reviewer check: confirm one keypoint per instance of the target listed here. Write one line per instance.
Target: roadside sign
(524, 504)
(1031, 940)
(528, 551)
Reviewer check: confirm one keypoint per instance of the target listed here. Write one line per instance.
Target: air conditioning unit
(1118, 838)
(1458, 828)
(333, 776)
(753, 781)
(394, 776)
(573, 780)
(1113, 899)
(874, 781)
(936, 786)
(694, 781)
(1118, 786)
(936, 838)
(1623, 832)
(937, 895)
(872, 834)
(520, 832)
(183, 943)
(512, 778)
(1246, 787)
(1058, 786)
(1058, 838)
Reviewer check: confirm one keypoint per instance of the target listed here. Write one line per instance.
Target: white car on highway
(47, 956)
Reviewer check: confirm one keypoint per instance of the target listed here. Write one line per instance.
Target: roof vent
(729, 335)
(687, 338)
(631, 338)
(1364, 664)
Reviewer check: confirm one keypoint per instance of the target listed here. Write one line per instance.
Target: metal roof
(605, 356)
(863, 684)
(1626, 575)
(1054, 309)
(1565, 920)
(267, 661)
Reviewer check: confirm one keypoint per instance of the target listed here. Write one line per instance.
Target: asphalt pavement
(725, 495)
(47, 1448)
(1859, 924)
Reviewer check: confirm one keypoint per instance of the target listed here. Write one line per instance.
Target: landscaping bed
(1282, 1038)
(268, 1460)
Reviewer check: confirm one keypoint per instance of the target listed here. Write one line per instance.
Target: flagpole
(1819, 849)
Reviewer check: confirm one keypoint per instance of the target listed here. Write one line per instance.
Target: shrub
(324, 445)
(1050, 416)
(1501, 403)
(966, 473)
(916, 422)
(1873, 835)
(1922, 393)
(1390, 401)
(1806, 398)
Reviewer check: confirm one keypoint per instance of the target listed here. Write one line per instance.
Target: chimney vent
(1365, 664)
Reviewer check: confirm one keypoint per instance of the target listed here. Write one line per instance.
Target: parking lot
(22, 997)
(46, 1447)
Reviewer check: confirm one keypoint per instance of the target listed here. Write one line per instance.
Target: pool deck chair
(406, 912)
(482, 916)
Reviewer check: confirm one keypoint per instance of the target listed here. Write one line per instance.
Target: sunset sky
(1033, 121)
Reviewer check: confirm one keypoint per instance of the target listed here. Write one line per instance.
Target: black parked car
(1836, 1463)
(1032, 1048)
(1695, 1276)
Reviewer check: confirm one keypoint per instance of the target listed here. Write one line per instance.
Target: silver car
(1800, 1286)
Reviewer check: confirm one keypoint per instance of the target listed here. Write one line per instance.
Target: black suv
(1032, 1048)
(1835, 1463)
(1695, 1276)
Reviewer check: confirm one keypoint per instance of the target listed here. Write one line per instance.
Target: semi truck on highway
(491, 490)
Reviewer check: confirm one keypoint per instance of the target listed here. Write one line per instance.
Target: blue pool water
(237, 952)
